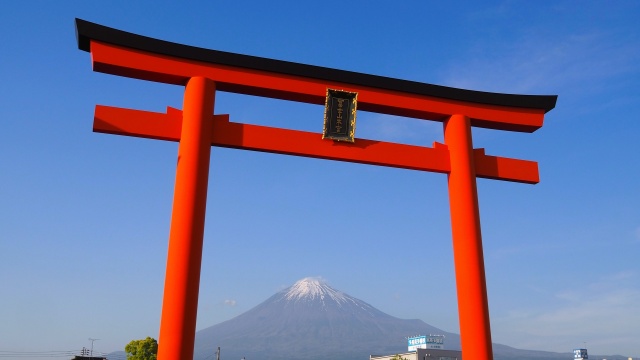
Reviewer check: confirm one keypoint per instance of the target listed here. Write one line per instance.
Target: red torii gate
(204, 71)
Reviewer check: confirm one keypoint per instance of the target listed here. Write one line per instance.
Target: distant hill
(312, 321)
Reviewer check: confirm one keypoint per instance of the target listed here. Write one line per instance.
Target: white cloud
(231, 303)
(547, 63)
(602, 314)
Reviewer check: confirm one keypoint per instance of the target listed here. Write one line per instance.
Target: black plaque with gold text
(340, 115)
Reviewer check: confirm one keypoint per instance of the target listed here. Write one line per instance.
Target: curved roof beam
(126, 54)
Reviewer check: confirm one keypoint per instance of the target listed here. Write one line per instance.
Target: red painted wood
(161, 126)
(473, 306)
(182, 280)
(147, 66)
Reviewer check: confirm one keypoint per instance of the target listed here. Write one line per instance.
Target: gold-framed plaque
(340, 115)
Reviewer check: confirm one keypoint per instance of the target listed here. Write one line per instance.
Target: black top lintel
(87, 31)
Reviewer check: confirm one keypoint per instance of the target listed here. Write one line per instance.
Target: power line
(43, 354)
(13, 354)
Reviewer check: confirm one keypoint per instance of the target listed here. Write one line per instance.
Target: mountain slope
(312, 320)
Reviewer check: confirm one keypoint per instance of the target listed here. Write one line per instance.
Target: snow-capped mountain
(311, 320)
(312, 288)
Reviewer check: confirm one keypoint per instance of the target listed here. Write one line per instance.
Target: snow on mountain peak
(311, 288)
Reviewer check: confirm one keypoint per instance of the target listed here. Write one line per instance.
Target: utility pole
(92, 340)
(218, 353)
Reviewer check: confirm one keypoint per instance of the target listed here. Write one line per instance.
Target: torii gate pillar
(182, 279)
(473, 305)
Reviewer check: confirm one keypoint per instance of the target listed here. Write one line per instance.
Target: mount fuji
(311, 320)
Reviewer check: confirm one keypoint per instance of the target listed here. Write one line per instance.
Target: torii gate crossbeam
(203, 72)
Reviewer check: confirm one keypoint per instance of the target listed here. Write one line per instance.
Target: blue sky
(84, 217)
